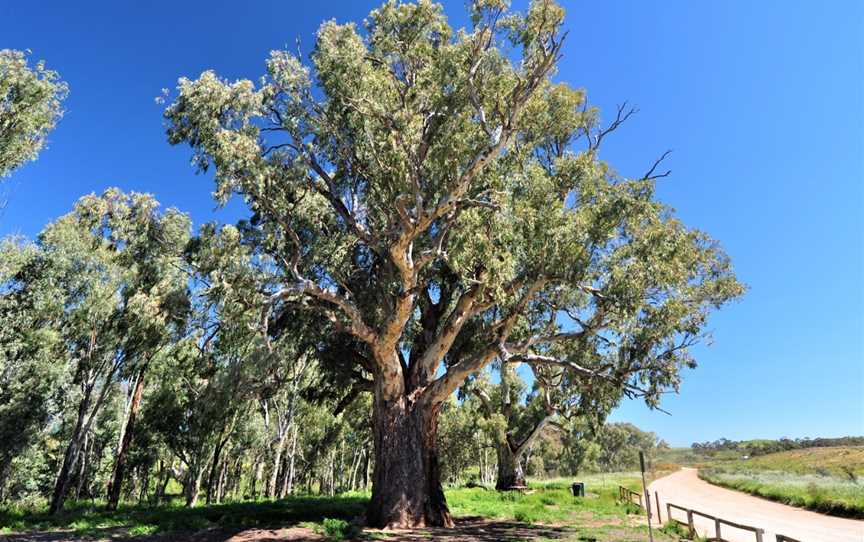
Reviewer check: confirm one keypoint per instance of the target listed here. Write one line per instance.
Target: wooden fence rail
(718, 522)
(626, 495)
(782, 538)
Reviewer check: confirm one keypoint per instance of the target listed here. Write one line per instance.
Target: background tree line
(767, 446)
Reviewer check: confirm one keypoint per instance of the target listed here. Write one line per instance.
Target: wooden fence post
(690, 524)
(657, 498)
(717, 528)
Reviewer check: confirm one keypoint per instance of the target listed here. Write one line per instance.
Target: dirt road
(684, 488)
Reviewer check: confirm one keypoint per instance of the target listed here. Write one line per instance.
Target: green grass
(549, 502)
(85, 520)
(827, 480)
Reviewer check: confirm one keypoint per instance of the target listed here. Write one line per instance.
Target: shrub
(337, 529)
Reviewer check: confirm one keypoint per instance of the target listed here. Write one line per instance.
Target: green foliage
(30, 106)
(97, 296)
(416, 163)
(338, 529)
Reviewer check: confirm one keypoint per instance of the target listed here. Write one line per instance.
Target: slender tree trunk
(82, 472)
(277, 461)
(256, 479)
(220, 491)
(212, 479)
(70, 458)
(293, 458)
(145, 484)
(116, 484)
(192, 487)
(406, 488)
(367, 465)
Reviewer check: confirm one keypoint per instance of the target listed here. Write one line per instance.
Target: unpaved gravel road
(684, 488)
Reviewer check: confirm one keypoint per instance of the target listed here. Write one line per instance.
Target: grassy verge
(820, 494)
(826, 480)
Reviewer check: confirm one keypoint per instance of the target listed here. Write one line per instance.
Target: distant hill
(758, 447)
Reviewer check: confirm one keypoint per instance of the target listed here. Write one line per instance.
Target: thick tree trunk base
(406, 489)
(510, 473)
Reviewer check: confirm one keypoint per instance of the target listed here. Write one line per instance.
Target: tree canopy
(30, 106)
(442, 203)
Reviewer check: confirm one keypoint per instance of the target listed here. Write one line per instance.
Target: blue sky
(762, 103)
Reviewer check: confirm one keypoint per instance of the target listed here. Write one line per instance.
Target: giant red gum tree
(439, 203)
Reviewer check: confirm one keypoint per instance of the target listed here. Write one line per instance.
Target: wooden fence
(627, 495)
(718, 522)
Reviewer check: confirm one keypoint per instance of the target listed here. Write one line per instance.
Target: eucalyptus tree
(30, 106)
(439, 203)
(98, 289)
(31, 305)
(227, 363)
(514, 422)
(560, 399)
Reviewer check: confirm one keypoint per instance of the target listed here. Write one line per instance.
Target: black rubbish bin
(578, 489)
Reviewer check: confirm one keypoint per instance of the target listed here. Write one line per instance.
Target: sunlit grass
(548, 502)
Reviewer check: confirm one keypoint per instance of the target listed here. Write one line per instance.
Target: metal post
(647, 496)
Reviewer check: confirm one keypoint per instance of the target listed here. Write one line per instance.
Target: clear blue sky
(762, 103)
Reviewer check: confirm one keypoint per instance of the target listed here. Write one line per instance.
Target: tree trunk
(192, 487)
(116, 484)
(291, 466)
(256, 479)
(510, 473)
(212, 479)
(70, 458)
(406, 487)
(82, 472)
(510, 470)
(277, 461)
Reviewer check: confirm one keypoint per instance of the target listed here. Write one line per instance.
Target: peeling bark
(406, 488)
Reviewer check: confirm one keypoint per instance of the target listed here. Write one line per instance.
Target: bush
(337, 529)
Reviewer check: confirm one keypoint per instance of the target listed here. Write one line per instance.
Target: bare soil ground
(684, 488)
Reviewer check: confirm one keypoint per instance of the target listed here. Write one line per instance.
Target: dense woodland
(439, 281)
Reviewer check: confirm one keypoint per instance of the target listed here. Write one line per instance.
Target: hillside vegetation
(827, 480)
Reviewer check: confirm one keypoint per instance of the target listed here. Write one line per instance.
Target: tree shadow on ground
(478, 529)
(471, 529)
(268, 520)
